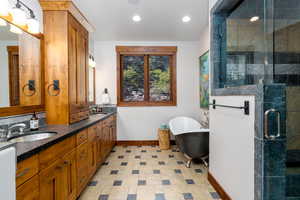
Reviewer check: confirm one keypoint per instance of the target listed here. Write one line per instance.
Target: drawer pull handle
(22, 173)
(58, 167)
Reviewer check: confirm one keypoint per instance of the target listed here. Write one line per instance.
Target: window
(146, 76)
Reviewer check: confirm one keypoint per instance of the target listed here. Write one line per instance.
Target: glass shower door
(286, 58)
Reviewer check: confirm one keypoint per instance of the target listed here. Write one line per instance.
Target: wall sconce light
(33, 24)
(92, 62)
(19, 17)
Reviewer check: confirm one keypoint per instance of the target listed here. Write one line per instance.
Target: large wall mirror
(21, 72)
(92, 85)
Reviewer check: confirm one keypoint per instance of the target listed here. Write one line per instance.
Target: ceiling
(161, 19)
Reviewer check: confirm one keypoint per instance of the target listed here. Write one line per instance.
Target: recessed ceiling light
(186, 19)
(254, 18)
(136, 18)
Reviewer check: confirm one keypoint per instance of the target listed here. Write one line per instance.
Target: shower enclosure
(255, 50)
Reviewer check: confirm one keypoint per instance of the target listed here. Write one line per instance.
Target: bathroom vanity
(61, 166)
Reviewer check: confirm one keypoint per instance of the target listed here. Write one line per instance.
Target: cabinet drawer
(56, 151)
(76, 117)
(29, 190)
(81, 137)
(27, 169)
(92, 133)
(82, 156)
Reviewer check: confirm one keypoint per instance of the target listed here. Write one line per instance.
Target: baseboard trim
(137, 143)
(140, 142)
(218, 187)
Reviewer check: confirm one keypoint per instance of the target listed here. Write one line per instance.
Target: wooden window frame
(146, 51)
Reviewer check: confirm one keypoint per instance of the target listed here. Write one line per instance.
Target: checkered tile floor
(147, 173)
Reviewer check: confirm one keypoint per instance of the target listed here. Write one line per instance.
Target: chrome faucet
(3, 135)
(20, 126)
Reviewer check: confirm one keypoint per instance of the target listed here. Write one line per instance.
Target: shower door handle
(266, 121)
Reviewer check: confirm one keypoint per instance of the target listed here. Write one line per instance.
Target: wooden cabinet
(51, 182)
(109, 137)
(62, 171)
(66, 60)
(29, 190)
(69, 176)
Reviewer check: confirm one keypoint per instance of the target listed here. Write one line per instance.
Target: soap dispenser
(34, 122)
(105, 97)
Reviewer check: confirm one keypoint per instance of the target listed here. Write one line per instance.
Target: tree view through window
(146, 78)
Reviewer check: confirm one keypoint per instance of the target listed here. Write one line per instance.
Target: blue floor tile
(103, 197)
(160, 196)
(214, 195)
(93, 183)
(114, 171)
(141, 182)
(131, 197)
(161, 163)
(189, 181)
(143, 163)
(166, 182)
(187, 196)
(199, 171)
(117, 183)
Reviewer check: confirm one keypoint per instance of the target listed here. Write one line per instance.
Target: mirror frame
(19, 110)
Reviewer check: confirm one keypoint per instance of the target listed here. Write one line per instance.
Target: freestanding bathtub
(191, 138)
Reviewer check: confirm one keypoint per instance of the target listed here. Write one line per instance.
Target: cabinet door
(51, 182)
(92, 157)
(99, 139)
(29, 190)
(82, 166)
(78, 68)
(69, 176)
(105, 145)
(82, 49)
(73, 38)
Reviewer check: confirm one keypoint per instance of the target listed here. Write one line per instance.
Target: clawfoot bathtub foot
(204, 160)
(189, 162)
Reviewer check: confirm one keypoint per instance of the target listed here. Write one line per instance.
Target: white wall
(232, 145)
(141, 123)
(4, 73)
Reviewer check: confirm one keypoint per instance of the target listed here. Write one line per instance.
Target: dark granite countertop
(27, 149)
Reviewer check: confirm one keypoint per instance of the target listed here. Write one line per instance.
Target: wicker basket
(164, 139)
